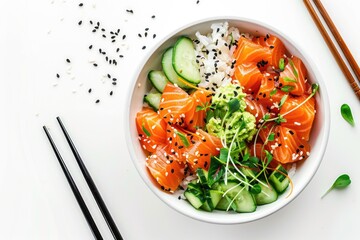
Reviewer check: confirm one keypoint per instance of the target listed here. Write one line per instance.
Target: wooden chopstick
(338, 38)
(100, 202)
(75, 190)
(333, 49)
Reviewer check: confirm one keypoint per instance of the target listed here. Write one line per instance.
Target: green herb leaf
(287, 79)
(280, 119)
(234, 105)
(293, 67)
(269, 156)
(183, 138)
(251, 162)
(216, 171)
(146, 131)
(341, 182)
(255, 189)
(246, 157)
(283, 99)
(233, 205)
(223, 155)
(315, 88)
(271, 137)
(287, 88)
(273, 92)
(281, 64)
(266, 117)
(346, 114)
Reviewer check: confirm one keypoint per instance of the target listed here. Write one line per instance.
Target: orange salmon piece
(300, 119)
(199, 153)
(166, 169)
(151, 129)
(294, 77)
(277, 48)
(174, 104)
(195, 118)
(249, 76)
(248, 51)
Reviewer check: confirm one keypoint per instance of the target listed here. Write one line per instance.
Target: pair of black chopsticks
(105, 212)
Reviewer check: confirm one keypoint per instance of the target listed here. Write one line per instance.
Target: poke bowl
(227, 120)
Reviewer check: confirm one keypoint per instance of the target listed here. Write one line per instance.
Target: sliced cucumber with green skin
(223, 204)
(279, 180)
(195, 198)
(184, 60)
(153, 99)
(267, 195)
(168, 69)
(244, 200)
(202, 175)
(212, 198)
(158, 79)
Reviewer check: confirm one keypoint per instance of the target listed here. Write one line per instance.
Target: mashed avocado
(228, 121)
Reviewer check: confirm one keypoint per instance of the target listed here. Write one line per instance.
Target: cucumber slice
(153, 99)
(203, 175)
(158, 79)
(267, 195)
(278, 180)
(244, 200)
(184, 60)
(212, 198)
(195, 198)
(169, 69)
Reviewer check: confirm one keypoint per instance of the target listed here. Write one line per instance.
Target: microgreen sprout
(346, 114)
(341, 182)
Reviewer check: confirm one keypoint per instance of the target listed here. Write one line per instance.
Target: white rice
(215, 55)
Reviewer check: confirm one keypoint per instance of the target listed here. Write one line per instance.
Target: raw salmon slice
(286, 146)
(248, 51)
(300, 119)
(195, 118)
(269, 95)
(249, 76)
(204, 146)
(277, 48)
(151, 129)
(294, 77)
(174, 104)
(166, 169)
(177, 140)
(255, 108)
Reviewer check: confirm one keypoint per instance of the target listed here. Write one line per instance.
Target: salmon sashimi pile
(227, 117)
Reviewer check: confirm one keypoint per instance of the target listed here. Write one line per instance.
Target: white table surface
(35, 200)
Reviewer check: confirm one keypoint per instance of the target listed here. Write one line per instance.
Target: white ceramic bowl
(305, 171)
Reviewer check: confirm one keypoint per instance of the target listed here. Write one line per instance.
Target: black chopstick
(80, 200)
(105, 212)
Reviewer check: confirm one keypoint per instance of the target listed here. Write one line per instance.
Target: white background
(35, 200)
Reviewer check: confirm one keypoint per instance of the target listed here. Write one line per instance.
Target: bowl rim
(325, 125)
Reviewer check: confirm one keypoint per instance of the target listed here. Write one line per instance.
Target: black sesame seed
(114, 79)
(89, 91)
(104, 36)
(198, 1)
(68, 60)
(80, 22)
(121, 56)
(172, 170)
(153, 16)
(94, 30)
(129, 11)
(114, 83)
(95, 64)
(90, 47)
(97, 101)
(81, 4)
(145, 34)
(91, 22)
(146, 29)
(111, 93)
(154, 35)
(118, 49)
(123, 37)
(143, 48)
(139, 35)
(57, 75)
